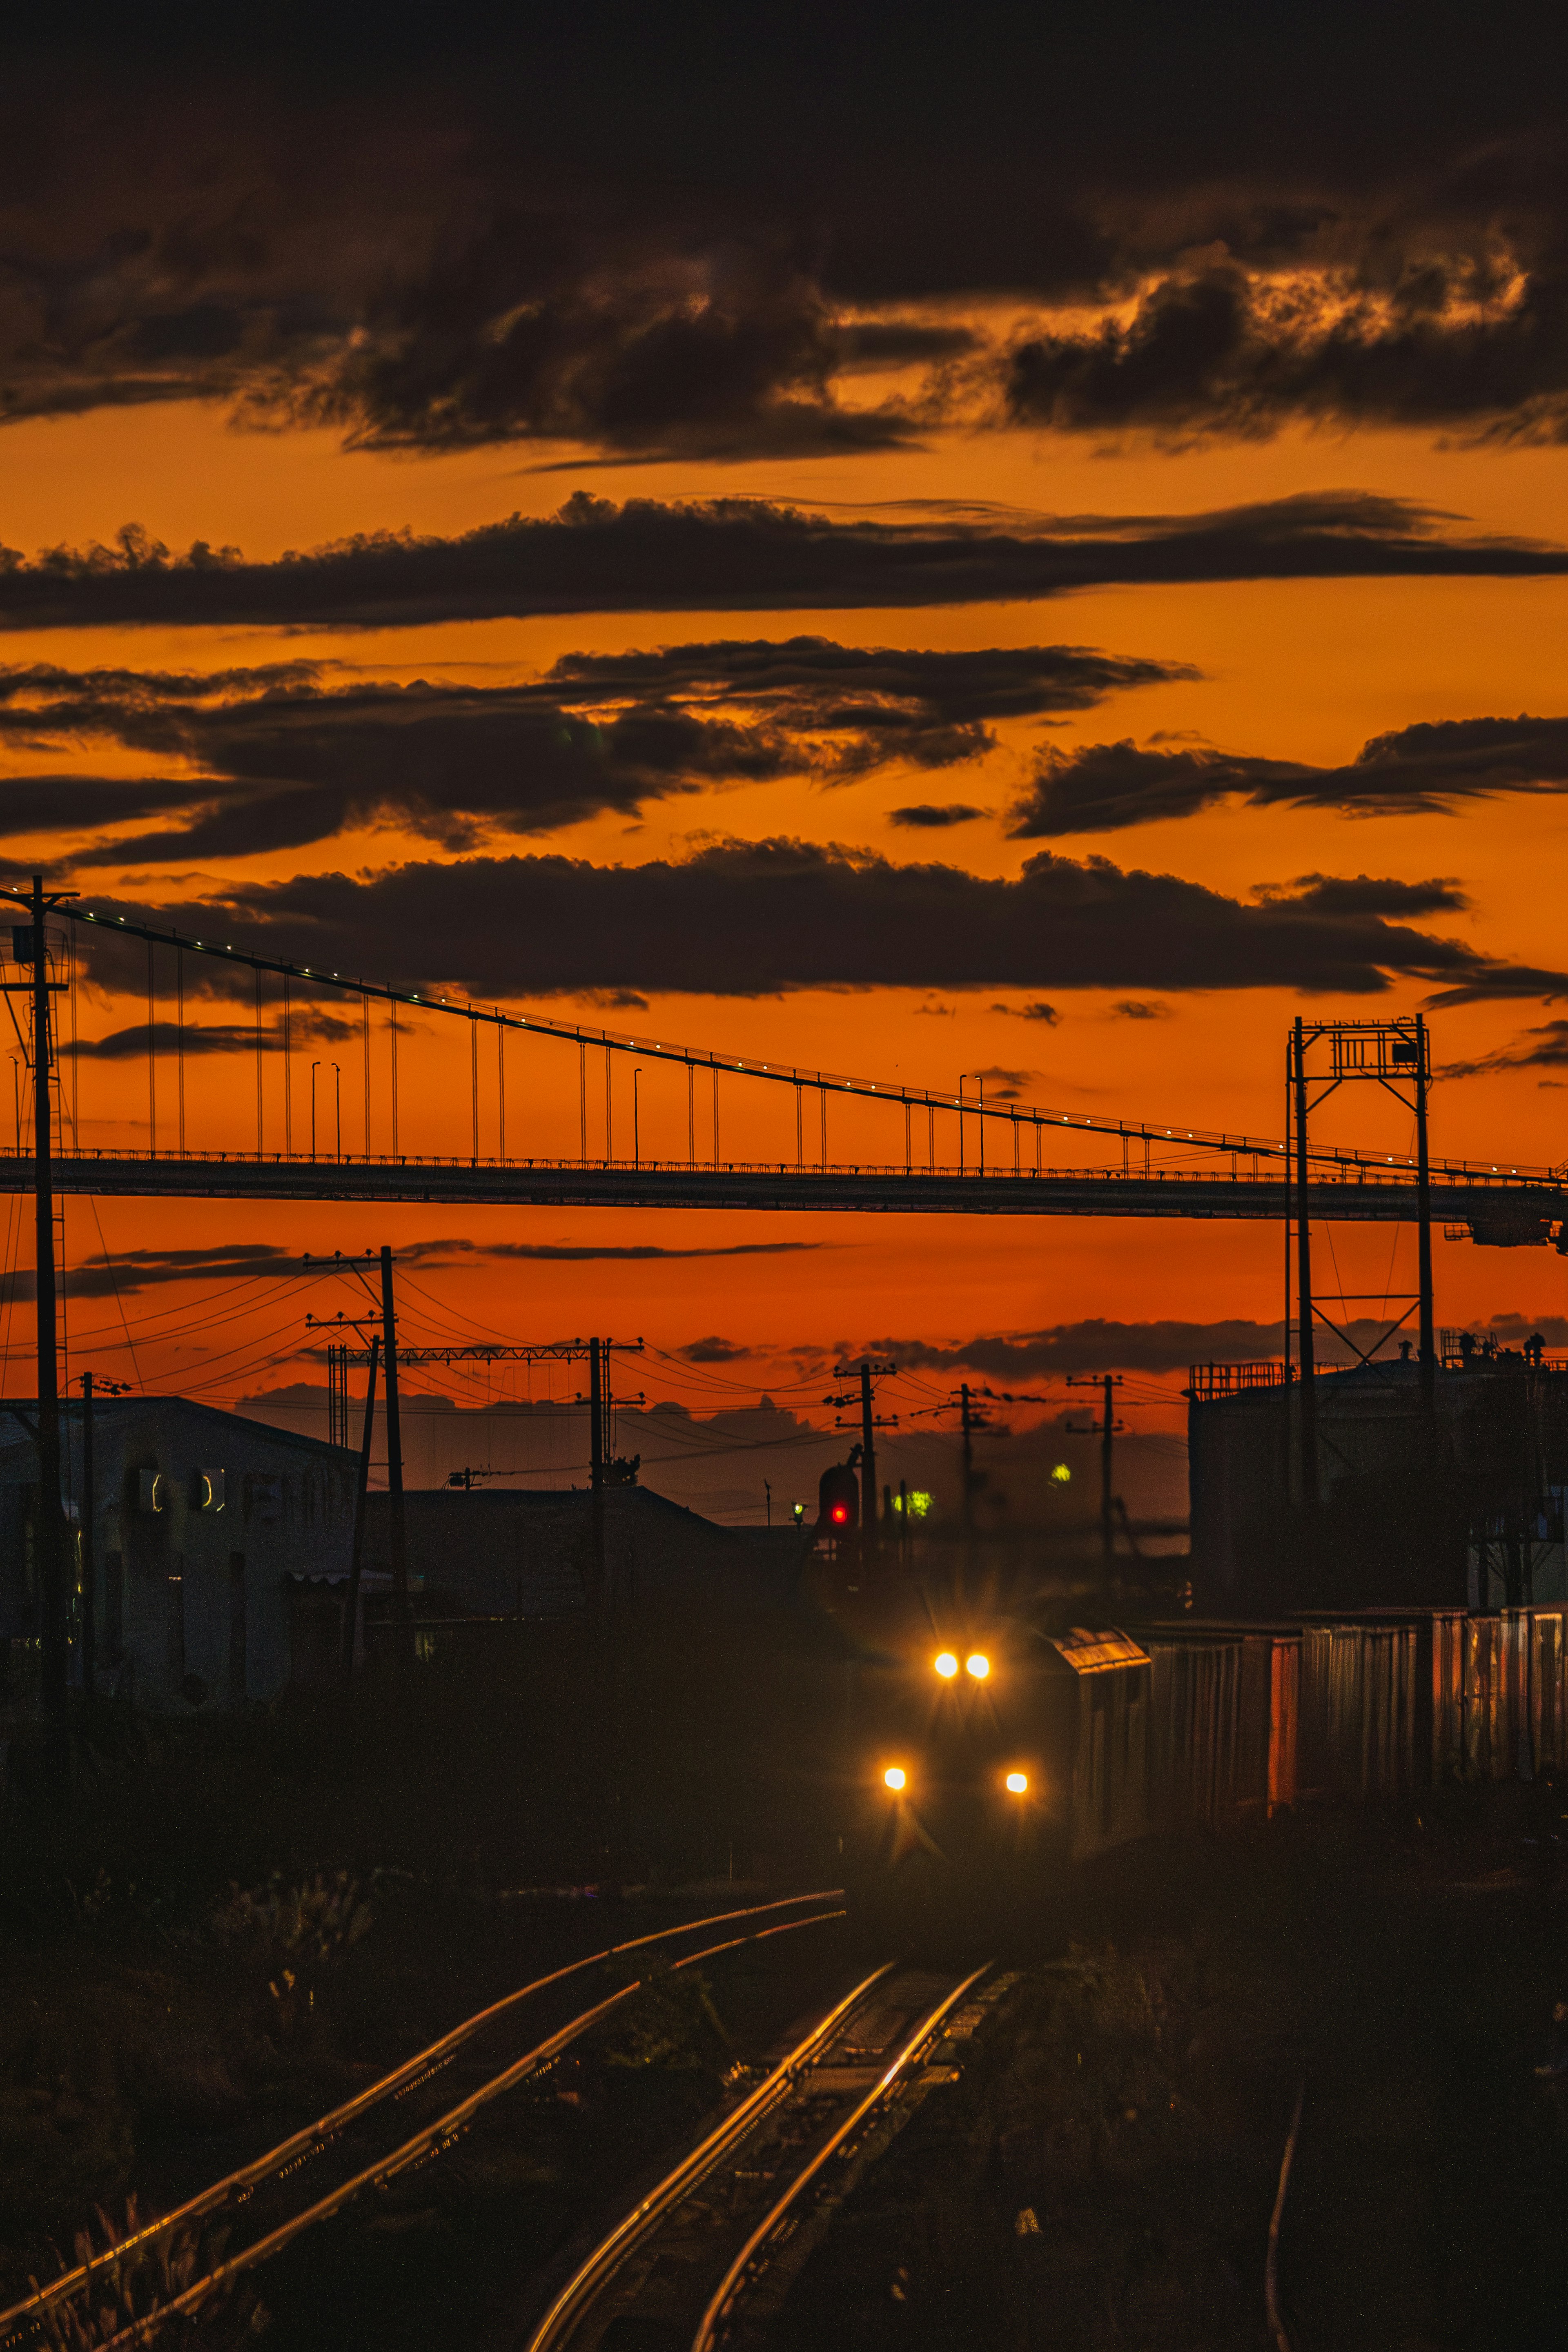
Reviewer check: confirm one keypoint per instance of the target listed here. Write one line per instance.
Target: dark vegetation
(229, 1927)
(1103, 2172)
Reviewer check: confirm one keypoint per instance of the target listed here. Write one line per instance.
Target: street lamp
(636, 1140)
(338, 1090)
(314, 1068)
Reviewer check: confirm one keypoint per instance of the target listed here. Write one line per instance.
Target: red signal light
(838, 1501)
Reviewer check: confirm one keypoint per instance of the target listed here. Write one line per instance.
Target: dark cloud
(1370, 893)
(1038, 1011)
(103, 1276)
(308, 1024)
(926, 817)
(1476, 340)
(1542, 1048)
(753, 917)
(1433, 766)
(291, 754)
(574, 1252)
(742, 554)
(713, 1351)
(1000, 1084)
(109, 1276)
(1097, 1345)
(442, 228)
(725, 354)
(1141, 1008)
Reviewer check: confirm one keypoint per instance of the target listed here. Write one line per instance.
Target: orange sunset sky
(1209, 310)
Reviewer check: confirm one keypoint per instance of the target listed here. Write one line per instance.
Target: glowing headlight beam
(946, 1665)
(1017, 1784)
(895, 1776)
(978, 1664)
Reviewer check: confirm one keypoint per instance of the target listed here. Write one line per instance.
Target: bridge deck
(1499, 1209)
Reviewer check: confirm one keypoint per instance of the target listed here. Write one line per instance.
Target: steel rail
(302, 2143)
(1509, 1207)
(700, 1058)
(428, 2141)
(589, 2278)
(733, 2277)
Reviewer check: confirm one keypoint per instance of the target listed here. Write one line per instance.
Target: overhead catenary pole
(1107, 1383)
(869, 1543)
(966, 1500)
(1304, 1352)
(1107, 1438)
(362, 1485)
(1428, 1341)
(596, 1473)
(402, 1614)
(51, 1518)
(89, 1565)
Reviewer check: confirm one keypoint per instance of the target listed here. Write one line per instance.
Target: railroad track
(367, 2141)
(705, 2258)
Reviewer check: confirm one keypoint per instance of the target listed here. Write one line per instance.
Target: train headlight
(978, 1664)
(946, 1665)
(1017, 1784)
(895, 1776)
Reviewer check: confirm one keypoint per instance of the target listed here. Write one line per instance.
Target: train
(983, 1734)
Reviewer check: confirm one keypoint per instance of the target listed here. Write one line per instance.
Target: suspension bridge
(944, 1158)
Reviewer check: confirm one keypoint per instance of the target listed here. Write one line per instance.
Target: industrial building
(1447, 1494)
(535, 1553)
(219, 1551)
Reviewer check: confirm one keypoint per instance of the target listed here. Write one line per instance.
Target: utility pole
(30, 945)
(870, 1544)
(596, 1471)
(361, 1487)
(89, 1570)
(1305, 1352)
(966, 1501)
(1108, 1382)
(402, 1614)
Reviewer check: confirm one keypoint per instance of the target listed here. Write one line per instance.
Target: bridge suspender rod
(780, 1074)
(394, 1012)
(151, 1062)
(180, 1044)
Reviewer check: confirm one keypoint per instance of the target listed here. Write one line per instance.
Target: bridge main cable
(1036, 1115)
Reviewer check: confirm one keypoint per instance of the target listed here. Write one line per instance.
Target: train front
(992, 1755)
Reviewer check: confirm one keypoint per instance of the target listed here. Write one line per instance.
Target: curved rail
(430, 2141)
(733, 2281)
(300, 2144)
(611, 2251)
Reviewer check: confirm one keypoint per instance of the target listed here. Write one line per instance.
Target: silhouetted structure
(1462, 1507)
(220, 1550)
